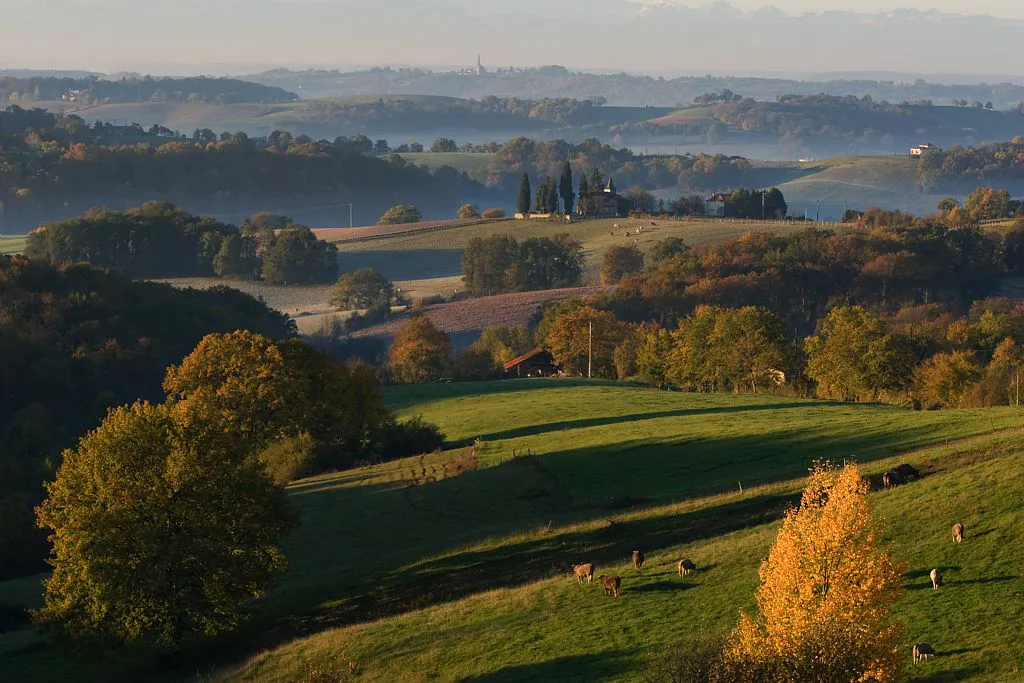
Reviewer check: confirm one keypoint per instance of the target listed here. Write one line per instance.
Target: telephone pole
(590, 353)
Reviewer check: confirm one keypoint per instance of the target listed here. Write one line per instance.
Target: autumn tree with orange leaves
(825, 595)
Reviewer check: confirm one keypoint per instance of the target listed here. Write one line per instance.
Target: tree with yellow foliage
(826, 590)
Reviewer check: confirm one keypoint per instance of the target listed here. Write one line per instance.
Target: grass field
(453, 566)
(12, 245)
(438, 253)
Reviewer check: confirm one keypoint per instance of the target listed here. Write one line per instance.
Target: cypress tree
(552, 199)
(583, 205)
(523, 201)
(565, 187)
(540, 203)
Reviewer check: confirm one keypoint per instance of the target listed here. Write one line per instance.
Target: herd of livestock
(901, 474)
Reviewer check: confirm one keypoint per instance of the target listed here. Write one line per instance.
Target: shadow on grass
(657, 587)
(586, 668)
(536, 430)
(954, 676)
(409, 264)
(401, 397)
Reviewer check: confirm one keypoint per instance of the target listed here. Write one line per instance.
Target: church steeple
(610, 188)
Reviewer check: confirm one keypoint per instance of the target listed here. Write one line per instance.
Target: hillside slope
(615, 446)
(453, 566)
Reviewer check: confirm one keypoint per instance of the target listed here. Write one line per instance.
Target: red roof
(522, 359)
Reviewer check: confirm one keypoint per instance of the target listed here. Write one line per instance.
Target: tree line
(93, 90)
(540, 158)
(160, 240)
(54, 167)
(500, 263)
(958, 167)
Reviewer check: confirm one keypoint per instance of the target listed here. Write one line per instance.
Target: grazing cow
(892, 479)
(584, 571)
(906, 471)
(686, 566)
(922, 651)
(958, 532)
(611, 584)
(638, 559)
(936, 578)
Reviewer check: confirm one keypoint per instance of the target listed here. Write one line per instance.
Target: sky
(184, 37)
(1013, 9)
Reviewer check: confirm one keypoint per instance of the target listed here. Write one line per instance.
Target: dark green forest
(75, 341)
(160, 240)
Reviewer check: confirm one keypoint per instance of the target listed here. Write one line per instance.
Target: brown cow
(686, 566)
(638, 559)
(892, 479)
(958, 532)
(611, 584)
(922, 651)
(936, 577)
(584, 571)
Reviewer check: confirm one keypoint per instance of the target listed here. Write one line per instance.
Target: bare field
(473, 315)
(309, 305)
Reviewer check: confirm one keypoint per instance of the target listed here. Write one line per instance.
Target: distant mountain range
(650, 35)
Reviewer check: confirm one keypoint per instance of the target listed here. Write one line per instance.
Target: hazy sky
(999, 8)
(237, 36)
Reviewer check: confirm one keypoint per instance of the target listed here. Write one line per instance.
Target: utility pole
(590, 353)
(817, 212)
(762, 204)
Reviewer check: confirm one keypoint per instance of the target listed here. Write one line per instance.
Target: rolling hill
(453, 566)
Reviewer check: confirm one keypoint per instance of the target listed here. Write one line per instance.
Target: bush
(467, 211)
(411, 437)
(290, 459)
(493, 213)
(361, 289)
(698, 660)
(620, 261)
(475, 364)
(371, 316)
(400, 214)
(431, 300)
(419, 353)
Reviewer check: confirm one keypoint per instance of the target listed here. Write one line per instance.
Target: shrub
(468, 211)
(493, 213)
(696, 660)
(291, 458)
(400, 214)
(363, 288)
(371, 316)
(620, 261)
(419, 353)
(944, 380)
(411, 437)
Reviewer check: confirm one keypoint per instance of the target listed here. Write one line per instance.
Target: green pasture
(453, 566)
